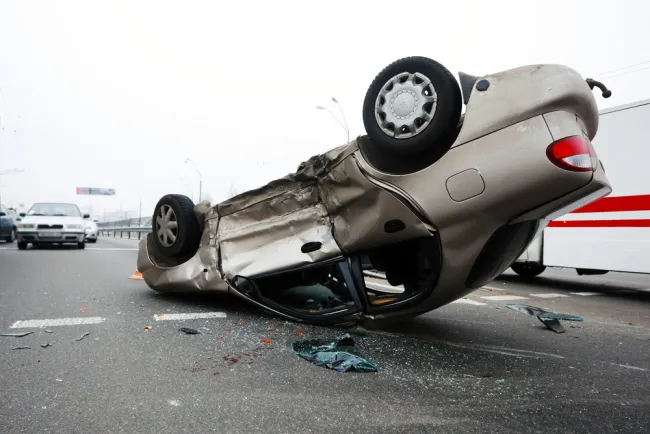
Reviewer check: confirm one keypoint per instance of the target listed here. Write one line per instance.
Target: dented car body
(439, 227)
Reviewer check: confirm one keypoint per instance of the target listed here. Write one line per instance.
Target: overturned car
(442, 203)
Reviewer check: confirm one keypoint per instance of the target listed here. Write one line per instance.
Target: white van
(613, 233)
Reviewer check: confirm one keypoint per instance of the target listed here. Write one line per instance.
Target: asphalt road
(471, 366)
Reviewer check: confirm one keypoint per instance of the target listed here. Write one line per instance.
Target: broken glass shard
(553, 324)
(340, 355)
(549, 319)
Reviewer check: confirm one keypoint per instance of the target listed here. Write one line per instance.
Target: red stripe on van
(619, 203)
(638, 223)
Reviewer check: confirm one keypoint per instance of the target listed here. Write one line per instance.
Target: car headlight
(73, 227)
(25, 226)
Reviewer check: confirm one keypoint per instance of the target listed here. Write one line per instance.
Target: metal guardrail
(126, 223)
(132, 232)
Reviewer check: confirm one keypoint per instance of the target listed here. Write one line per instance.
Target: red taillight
(573, 153)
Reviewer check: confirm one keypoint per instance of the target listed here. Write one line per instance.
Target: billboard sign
(96, 191)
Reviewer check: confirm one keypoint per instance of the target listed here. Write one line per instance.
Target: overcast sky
(118, 94)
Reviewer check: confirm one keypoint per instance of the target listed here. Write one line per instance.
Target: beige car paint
(341, 201)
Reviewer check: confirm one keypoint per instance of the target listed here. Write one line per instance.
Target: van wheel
(527, 270)
(175, 228)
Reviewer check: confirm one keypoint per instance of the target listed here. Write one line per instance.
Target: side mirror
(86, 216)
(22, 214)
(2, 213)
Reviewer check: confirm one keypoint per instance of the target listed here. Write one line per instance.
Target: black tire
(527, 270)
(22, 245)
(188, 230)
(81, 245)
(445, 118)
(12, 236)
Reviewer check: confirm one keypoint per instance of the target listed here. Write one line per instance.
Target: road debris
(48, 331)
(45, 345)
(148, 327)
(549, 319)
(83, 336)
(22, 347)
(189, 331)
(339, 355)
(17, 334)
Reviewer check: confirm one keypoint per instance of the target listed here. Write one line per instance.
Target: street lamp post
(187, 160)
(343, 124)
(347, 130)
(10, 171)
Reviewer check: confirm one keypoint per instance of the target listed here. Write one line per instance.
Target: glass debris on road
(189, 331)
(339, 355)
(549, 319)
(17, 334)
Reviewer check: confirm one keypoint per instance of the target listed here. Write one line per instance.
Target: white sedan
(91, 231)
(52, 223)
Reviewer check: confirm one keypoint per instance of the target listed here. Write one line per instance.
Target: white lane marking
(40, 323)
(111, 248)
(468, 301)
(503, 297)
(548, 295)
(515, 352)
(492, 288)
(185, 316)
(385, 288)
(636, 368)
(586, 294)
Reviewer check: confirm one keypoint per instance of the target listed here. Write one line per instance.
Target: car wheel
(527, 270)
(411, 104)
(12, 236)
(175, 228)
(81, 245)
(22, 245)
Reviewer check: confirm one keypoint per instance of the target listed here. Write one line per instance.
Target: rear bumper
(38, 237)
